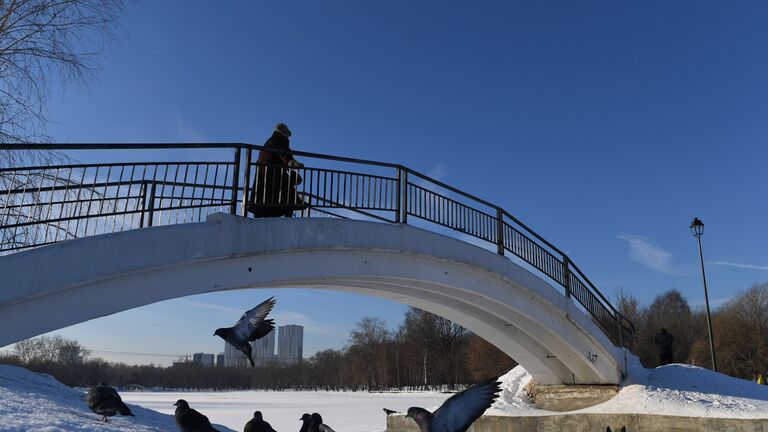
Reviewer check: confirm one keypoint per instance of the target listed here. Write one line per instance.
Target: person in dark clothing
(663, 342)
(274, 186)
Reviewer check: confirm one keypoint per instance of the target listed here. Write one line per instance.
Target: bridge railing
(45, 204)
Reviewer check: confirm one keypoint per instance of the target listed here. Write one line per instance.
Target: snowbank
(37, 402)
(676, 389)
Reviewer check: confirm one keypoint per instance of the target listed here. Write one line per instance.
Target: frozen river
(343, 411)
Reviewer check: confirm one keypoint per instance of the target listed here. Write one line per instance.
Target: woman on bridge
(274, 187)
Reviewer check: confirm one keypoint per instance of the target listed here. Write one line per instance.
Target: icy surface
(37, 402)
(677, 389)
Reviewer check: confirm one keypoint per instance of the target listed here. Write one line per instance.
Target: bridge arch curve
(513, 309)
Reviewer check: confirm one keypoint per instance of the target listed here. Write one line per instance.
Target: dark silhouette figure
(317, 424)
(663, 342)
(306, 421)
(189, 420)
(389, 411)
(257, 424)
(274, 186)
(104, 401)
(459, 411)
(249, 327)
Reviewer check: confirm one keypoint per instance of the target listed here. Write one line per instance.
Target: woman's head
(282, 129)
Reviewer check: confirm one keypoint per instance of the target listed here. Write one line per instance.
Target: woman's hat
(282, 129)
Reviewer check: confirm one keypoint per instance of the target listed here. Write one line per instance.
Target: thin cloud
(211, 307)
(643, 252)
(188, 133)
(741, 266)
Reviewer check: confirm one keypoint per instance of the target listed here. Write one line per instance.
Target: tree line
(739, 327)
(425, 352)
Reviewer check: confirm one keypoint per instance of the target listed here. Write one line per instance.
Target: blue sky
(606, 126)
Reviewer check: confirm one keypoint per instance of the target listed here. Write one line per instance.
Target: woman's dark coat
(274, 186)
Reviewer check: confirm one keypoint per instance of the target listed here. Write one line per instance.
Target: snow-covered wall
(51, 287)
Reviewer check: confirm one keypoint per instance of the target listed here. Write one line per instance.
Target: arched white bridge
(515, 310)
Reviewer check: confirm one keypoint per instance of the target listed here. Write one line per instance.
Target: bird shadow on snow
(688, 378)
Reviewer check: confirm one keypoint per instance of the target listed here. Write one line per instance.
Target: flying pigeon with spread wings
(459, 411)
(250, 327)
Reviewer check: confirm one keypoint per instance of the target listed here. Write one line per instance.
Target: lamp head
(697, 228)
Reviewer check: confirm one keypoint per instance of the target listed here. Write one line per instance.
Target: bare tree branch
(40, 40)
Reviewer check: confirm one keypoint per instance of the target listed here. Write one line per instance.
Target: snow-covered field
(343, 411)
(37, 402)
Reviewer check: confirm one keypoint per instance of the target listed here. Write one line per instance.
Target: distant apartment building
(233, 357)
(203, 359)
(290, 349)
(264, 350)
(290, 344)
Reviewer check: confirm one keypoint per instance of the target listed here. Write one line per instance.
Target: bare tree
(367, 343)
(40, 39)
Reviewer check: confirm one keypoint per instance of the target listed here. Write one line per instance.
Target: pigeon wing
(325, 428)
(262, 329)
(462, 409)
(191, 419)
(94, 398)
(250, 319)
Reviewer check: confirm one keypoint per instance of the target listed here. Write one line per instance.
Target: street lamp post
(697, 228)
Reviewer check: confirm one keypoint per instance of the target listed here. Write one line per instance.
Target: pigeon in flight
(317, 424)
(389, 411)
(306, 420)
(105, 401)
(249, 327)
(257, 424)
(189, 420)
(459, 411)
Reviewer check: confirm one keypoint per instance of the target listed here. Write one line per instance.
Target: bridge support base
(569, 397)
(594, 422)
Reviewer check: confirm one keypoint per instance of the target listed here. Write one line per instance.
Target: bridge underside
(75, 281)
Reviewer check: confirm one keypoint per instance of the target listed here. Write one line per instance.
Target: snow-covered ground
(676, 389)
(343, 411)
(37, 402)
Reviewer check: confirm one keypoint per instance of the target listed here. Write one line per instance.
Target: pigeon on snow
(189, 420)
(257, 424)
(317, 424)
(306, 420)
(459, 411)
(249, 327)
(105, 401)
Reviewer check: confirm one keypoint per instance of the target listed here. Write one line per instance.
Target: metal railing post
(567, 276)
(398, 187)
(151, 215)
(404, 205)
(143, 194)
(246, 180)
(499, 231)
(235, 181)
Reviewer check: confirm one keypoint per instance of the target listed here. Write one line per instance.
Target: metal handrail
(40, 204)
